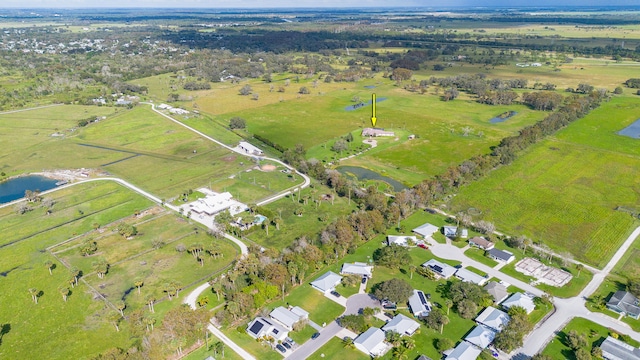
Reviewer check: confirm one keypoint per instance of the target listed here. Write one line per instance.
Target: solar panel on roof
(256, 327)
(437, 268)
(422, 299)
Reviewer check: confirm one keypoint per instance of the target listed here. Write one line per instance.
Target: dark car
(315, 335)
(281, 348)
(287, 345)
(364, 279)
(335, 293)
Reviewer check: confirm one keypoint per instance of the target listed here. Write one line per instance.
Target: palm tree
(218, 348)
(115, 318)
(150, 301)
(149, 321)
(412, 269)
(400, 352)
(64, 291)
(120, 305)
(75, 273)
(234, 309)
(579, 267)
(49, 265)
(348, 342)
(100, 267)
(34, 294)
(277, 221)
(170, 289)
(448, 303)
(408, 343)
(138, 283)
(217, 288)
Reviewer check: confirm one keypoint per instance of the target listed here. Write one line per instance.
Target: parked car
(421, 245)
(287, 345)
(335, 293)
(364, 279)
(315, 335)
(290, 340)
(281, 348)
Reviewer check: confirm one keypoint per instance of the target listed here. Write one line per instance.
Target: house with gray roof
(493, 318)
(497, 291)
(288, 317)
(327, 282)
(467, 275)
(426, 230)
(401, 324)
(614, 349)
(440, 269)
(452, 231)
(501, 255)
(481, 336)
(419, 304)
(357, 268)
(623, 302)
(464, 351)
(371, 342)
(521, 300)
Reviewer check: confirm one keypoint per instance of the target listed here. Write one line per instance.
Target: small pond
(503, 117)
(366, 174)
(632, 131)
(370, 87)
(14, 189)
(363, 104)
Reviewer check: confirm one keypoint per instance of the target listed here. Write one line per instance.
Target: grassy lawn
(610, 285)
(477, 254)
(261, 351)
(81, 318)
(578, 201)
(202, 352)
(294, 226)
(300, 337)
(420, 217)
(335, 349)
(596, 334)
(321, 309)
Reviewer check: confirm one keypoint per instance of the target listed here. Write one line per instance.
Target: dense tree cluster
(512, 335)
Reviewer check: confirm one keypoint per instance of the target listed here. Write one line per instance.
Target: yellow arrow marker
(373, 113)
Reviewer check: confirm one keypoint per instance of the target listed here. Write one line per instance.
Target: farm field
(23, 253)
(579, 187)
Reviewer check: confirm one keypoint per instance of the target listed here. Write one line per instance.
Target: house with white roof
(426, 230)
(467, 275)
(357, 268)
(481, 243)
(327, 282)
(262, 327)
(250, 149)
(288, 317)
(452, 231)
(401, 240)
(440, 269)
(214, 203)
(419, 304)
(521, 300)
(371, 342)
(464, 351)
(401, 324)
(481, 336)
(493, 318)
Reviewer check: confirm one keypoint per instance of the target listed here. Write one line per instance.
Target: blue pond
(366, 174)
(362, 104)
(632, 131)
(502, 117)
(14, 189)
(370, 87)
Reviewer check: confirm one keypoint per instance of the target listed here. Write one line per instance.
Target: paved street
(311, 346)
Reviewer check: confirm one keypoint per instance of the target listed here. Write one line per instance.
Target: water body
(632, 131)
(366, 174)
(370, 87)
(362, 104)
(14, 189)
(503, 117)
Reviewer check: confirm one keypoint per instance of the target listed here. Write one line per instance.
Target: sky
(302, 3)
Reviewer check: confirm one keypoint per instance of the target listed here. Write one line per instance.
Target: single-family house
(250, 149)
(371, 342)
(426, 230)
(401, 324)
(467, 275)
(327, 282)
(376, 132)
(521, 300)
(481, 336)
(501, 255)
(401, 240)
(261, 327)
(287, 317)
(493, 318)
(464, 351)
(357, 268)
(614, 349)
(481, 243)
(423, 357)
(497, 291)
(440, 269)
(452, 231)
(419, 304)
(214, 203)
(624, 302)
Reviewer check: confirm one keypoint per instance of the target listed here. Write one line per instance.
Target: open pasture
(48, 325)
(577, 185)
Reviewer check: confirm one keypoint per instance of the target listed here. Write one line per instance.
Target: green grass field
(335, 349)
(578, 186)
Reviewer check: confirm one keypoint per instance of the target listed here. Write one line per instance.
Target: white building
(464, 351)
(426, 230)
(261, 327)
(452, 231)
(419, 304)
(493, 318)
(288, 317)
(250, 149)
(441, 269)
(215, 203)
(327, 282)
(402, 325)
(356, 268)
(467, 275)
(521, 300)
(371, 342)
(401, 240)
(481, 336)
